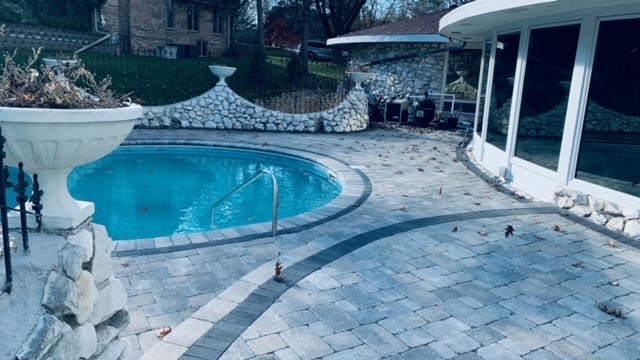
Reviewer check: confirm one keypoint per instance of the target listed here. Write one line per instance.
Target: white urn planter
(222, 72)
(51, 142)
(359, 78)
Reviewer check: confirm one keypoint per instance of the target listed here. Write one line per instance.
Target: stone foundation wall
(600, 211)
(222, 108)
(83, 306)
(399, 78)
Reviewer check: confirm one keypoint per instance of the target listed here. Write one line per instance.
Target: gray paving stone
(305, 343)
(421, 353)
(415, 337)
(299, 318)
(379, 339)
(341, 341)
(496, 352)
(266, 344)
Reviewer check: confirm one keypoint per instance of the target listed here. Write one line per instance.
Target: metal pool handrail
(274, 222)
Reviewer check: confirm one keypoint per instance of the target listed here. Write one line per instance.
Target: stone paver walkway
(420, 270)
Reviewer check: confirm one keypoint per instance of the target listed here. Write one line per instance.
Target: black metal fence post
(5, 223)
(21, 189)
(35, 198)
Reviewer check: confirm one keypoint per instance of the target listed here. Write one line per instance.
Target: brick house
(182, 28)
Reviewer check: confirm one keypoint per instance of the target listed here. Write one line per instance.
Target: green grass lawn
(157, 81)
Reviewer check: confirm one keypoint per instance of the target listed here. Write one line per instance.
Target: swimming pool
(151, 191)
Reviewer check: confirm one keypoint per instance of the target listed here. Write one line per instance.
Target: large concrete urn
(51, 142)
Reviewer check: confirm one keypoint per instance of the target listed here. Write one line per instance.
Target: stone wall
(75, 306)
(222, 108)
(397, 79)
(600, 211)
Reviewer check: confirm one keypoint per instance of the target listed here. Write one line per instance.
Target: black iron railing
(21, 189)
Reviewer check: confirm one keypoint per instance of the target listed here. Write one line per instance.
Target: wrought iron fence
(21, 189)
(166, 75)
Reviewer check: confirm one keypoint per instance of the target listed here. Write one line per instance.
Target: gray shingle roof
(420, 25)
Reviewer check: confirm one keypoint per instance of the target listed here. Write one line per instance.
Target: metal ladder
(274, 221)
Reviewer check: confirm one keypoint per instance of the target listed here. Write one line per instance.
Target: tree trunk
(260, 15)
(304, 63)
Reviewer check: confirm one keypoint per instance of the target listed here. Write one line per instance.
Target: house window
(610, 142)
(202, 48)
(220, 22)
(169, 4)
(545, 94)
(192, 18)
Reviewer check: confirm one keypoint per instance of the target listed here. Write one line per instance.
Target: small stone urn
(359, 78)
(222, 72)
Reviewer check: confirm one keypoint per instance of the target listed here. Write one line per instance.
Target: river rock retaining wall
(600, 211)
(222, 108)
(82, 306)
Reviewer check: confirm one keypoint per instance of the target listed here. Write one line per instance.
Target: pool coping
(356, 189)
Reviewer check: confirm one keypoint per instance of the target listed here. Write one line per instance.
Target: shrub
(258, 66)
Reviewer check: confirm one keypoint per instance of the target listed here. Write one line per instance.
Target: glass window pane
(483, 87)
(545, 95)
(610, 143)
(502, 90)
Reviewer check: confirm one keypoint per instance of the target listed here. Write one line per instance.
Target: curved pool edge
(356, 189)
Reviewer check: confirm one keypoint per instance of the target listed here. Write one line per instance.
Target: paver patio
(420, 270)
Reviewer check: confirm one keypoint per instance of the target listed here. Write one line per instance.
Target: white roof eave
(471, 21)
(367, 39)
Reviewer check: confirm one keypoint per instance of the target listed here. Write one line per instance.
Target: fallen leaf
(455, 229)
(508, 231)
(163, 332)
(556, 227)
(124, 264)
(579, 264)
(614, 283)
(483, 233)
(611, 311)
(612, 243)
(421, 169)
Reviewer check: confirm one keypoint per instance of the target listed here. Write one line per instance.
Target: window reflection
(610, 143)
(545, 94)
(502, 89)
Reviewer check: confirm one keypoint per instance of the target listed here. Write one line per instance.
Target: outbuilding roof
(422, 28)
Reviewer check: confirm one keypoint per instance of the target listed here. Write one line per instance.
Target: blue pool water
(142, 192)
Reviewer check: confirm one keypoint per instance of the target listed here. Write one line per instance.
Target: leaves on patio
(579, 265)
(455, 229)
(557, 228)
(483, 233)
(161, 333)
(611, 311)
(612, 243)
(508, 231)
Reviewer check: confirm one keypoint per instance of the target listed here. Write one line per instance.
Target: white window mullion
(576, 106)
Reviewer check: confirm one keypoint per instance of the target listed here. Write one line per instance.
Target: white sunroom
(559, 100)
